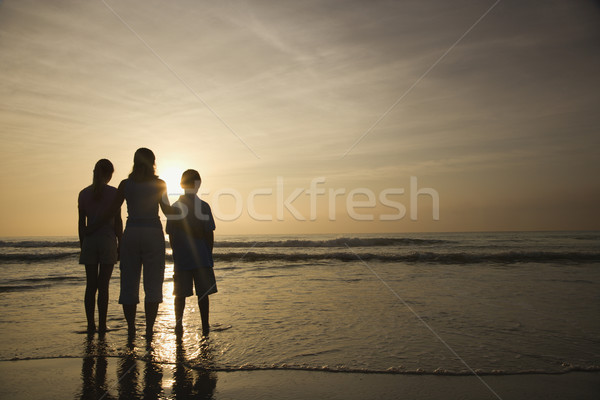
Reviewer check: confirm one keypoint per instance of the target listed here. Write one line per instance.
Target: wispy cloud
(300, 81)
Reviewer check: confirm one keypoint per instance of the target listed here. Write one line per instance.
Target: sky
(406, 116)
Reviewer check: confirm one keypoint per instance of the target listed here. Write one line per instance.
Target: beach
(479, 315)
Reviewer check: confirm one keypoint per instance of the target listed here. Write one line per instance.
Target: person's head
(190, 181)
(143, 165)
(103, 171)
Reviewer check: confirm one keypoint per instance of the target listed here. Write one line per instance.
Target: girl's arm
(81, 227)
(118, 232)
(119, 225)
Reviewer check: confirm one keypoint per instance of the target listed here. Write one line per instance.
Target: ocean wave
(511, 257)
(21, 288)
(567, 368)
(339, 242)
(402, 371)
(52, 279)
(39, 244)
(25, 257)
(17, 285)
(416, 257)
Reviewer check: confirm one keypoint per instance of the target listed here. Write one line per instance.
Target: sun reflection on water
(168, 347)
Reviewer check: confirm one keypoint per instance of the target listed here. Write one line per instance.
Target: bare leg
(151, 311)
(129, 311)
(203, 305)
(91, 274)
(103, 283)
(179, 307)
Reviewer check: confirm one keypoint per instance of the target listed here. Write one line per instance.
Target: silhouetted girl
(99, 251)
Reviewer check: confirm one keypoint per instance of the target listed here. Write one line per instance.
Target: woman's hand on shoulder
(162, 186)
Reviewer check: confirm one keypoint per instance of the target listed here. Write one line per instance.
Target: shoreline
(117, 377)
(323, 369)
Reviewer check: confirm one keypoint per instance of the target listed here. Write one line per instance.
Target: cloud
(300, 82)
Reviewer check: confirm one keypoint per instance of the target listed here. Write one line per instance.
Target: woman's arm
(165, 205)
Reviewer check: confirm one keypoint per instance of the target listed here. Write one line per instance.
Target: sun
(171, 174)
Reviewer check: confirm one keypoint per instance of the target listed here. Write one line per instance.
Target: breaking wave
(350, 256)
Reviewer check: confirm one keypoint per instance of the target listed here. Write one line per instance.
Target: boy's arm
(211, 228)
(203, 224)
(210, 240)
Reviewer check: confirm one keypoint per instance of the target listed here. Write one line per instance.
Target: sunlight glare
(171, 174)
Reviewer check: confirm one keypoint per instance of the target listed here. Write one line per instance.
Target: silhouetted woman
(99, 251)
(143, 244)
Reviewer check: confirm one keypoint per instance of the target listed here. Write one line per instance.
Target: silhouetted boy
(192, 236)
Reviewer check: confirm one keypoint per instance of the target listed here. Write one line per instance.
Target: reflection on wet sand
(93, 370)
(138, 376)
(193, 383)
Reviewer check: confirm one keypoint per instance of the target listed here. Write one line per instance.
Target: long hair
(143, 165)
(102, 170)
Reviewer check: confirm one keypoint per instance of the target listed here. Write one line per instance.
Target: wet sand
(115, 377)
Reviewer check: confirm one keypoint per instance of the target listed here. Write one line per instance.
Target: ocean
(419, 303)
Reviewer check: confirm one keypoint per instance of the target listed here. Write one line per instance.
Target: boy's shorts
(202, 278)
(99, 248)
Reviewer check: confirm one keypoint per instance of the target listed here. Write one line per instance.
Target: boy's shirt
(190, 236)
